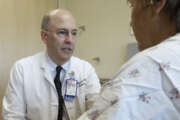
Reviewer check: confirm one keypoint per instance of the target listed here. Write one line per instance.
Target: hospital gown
(147, 87)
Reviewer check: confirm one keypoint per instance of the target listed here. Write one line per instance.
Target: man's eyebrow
(75, 29)
(61, 29)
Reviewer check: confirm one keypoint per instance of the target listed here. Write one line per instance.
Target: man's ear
(44, 36)
(159, 6)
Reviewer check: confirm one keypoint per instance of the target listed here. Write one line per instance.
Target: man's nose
(69, 37)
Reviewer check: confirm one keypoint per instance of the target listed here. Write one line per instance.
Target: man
(52, 84)
(148, 86)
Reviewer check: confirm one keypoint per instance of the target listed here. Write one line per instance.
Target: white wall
(19, 32)
(106, 35)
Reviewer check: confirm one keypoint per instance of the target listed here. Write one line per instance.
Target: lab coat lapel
(45, 71)
(71, 107)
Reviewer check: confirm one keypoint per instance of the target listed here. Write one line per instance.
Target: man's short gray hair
(45, 22)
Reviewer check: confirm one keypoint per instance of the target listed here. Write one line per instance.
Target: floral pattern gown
(147, 87)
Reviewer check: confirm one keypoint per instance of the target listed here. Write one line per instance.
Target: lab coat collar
(52, 66)
(47, 64)
(44, 67)
(72, 66)
(68, 67)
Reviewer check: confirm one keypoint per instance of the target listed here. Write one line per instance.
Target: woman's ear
(159, 6)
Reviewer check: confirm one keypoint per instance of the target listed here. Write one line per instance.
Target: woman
(148, 86)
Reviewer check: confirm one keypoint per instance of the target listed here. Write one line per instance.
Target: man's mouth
(67, 50)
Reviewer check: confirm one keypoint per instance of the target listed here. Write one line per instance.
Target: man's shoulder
(77, 62)
(31, 60)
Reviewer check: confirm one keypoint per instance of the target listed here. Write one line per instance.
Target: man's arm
(93, 87)
(13, 102)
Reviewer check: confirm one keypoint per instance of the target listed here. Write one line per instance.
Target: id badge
(71, 89)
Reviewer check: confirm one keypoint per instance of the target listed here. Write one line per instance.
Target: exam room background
(102, 41)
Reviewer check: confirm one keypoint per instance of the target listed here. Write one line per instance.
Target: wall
(19, 32)
(106, 35)
(107, 32)
(62, 4)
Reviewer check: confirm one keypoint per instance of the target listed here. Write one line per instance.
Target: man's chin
(67, 57)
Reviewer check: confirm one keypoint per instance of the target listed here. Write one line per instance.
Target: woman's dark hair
(172, 8)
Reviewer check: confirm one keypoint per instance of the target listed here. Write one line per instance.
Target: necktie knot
(58, 69)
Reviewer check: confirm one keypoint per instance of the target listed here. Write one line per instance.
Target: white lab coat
(31, 93)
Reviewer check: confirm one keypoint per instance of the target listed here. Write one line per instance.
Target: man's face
(61, 37)
(141, 23)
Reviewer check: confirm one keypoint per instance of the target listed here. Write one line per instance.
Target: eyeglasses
(65, 32)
